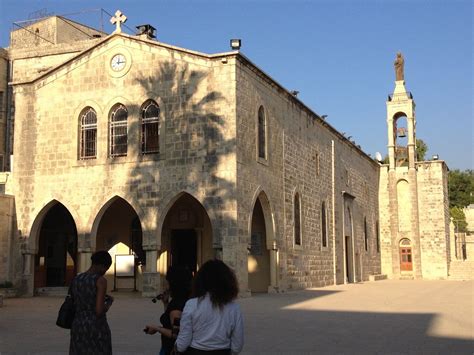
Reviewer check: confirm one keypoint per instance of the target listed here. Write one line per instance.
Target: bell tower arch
(401, 122)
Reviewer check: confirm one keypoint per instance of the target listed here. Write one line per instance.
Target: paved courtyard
(384, 317)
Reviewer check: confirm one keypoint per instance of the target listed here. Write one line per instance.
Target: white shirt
(206, 327)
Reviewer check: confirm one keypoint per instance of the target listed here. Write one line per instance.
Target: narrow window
(150, 127)
(378, 236)
(118, 130)
(366, 237)
(2, 109)
(297, 217)
(2, 168)
(262, 152)
(324, 235)
(316, 158)
(88, 134)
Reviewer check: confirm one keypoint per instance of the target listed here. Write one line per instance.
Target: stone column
(273, 269)
(83, 259)
(28, 272)
(151, 279)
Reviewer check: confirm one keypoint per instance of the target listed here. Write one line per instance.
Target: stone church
(166, 156)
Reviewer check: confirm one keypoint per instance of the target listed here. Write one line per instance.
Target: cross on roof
(118, 19)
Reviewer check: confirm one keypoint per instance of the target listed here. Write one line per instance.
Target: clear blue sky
(338, 54)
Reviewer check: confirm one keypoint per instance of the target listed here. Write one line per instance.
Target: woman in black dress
(90, 332)
(179, 288)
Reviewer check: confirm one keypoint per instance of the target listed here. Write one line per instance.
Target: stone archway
(118, 230)
(55, 263)
(258, 262)
(186, 235)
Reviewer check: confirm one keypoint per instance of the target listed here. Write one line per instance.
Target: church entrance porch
(119, 232)
(186, 236)
(55, 263)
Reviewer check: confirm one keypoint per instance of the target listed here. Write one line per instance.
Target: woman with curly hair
(211, 321)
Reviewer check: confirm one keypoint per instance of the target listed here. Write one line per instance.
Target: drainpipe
(333, 173)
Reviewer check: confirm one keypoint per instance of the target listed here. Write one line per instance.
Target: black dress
(89, 334)
(176, 304)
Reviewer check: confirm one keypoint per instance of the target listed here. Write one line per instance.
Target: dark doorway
(55, 263)
(348, 259)
(184, 248)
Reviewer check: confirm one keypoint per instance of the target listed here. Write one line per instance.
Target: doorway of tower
(406, 263)
(55, 262)
(184, 248)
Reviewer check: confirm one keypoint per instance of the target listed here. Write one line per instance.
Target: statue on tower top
(399, 67)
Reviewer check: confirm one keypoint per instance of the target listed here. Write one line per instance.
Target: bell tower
(401, 122)
(403, 217)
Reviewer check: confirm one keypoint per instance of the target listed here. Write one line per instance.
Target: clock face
(118, 62)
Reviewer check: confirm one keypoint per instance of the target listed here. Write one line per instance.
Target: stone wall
(7, 220)
(434, 218)
(49, 32)
(300, 159)
(3, 106)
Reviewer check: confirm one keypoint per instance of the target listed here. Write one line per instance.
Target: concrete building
(165, 156)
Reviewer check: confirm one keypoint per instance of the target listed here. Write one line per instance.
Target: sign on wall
(124, 265)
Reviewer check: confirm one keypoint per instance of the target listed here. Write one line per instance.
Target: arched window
(88, 134)
(262, 132)
(297, 219)
(324, 234)
(118, 130)
(378, 236)
(366, 237)
(150, 114)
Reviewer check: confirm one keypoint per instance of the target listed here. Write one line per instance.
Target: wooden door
(406, 259)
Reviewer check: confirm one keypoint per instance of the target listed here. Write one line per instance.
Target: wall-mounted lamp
(235, 44)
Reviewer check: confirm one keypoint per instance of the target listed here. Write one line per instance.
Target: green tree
(421, 149)
(461, 188)
(459, 219)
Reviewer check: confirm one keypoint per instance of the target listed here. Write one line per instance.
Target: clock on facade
(118, 62)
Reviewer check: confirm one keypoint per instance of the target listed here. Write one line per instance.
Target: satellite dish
(378, 156)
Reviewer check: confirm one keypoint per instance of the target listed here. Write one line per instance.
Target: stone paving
(383, 317)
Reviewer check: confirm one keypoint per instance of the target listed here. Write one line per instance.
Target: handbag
(66, 312)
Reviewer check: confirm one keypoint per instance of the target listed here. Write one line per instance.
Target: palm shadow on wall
(192, 142)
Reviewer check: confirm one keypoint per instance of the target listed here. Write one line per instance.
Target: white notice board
(124, 265)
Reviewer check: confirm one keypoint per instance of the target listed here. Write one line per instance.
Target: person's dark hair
(217, 279)
(101, 258)
(179, 281)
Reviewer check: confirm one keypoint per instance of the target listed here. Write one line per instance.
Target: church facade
(166, 156)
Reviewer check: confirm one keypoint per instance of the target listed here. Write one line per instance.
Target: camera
(157, 298)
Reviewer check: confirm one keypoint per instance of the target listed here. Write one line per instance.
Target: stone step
(51, 291)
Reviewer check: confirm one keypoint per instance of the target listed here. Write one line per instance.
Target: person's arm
(237, 336)
(100, 297)
(152, 329)
(185, 335)
(174, 314)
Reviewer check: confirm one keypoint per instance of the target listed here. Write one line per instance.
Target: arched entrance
(406, 261)
(258, 262)
(56, 260)
(119, 232)
(186, 236)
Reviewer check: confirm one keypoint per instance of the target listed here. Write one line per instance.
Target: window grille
(150, 127)
(324, 234)
(261, 133)
(88, 144)
(297, 218)
(118, 131)
(2, 168)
